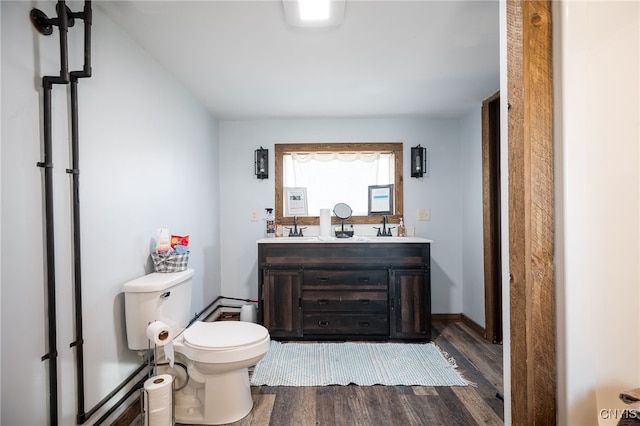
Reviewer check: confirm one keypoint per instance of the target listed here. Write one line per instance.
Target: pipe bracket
(49, 356)
(73, 171)
(44, 24)
(41, 21)
(76, 343)
(45, 165)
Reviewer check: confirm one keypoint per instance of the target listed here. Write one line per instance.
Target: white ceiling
(387, 59)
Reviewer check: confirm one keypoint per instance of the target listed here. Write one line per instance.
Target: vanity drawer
(361, 279)
(369, 324)
(344, 301)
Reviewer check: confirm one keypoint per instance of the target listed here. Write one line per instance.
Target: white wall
(472, 223)
(149, 158)
(598, 134)
(441, 191)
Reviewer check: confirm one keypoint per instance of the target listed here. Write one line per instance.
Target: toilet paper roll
(325, 222)
(162, 417)
(159, 392)
(159, 333)
(248, 313)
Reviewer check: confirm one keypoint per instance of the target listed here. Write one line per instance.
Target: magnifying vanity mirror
(343, 212)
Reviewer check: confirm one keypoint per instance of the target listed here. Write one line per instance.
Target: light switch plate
(424, 214)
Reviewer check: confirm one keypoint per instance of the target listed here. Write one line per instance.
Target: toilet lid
(223, 334)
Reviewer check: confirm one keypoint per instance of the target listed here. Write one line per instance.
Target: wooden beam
(531, 210)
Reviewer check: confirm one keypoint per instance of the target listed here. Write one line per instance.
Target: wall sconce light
(261, 158)
(418, 161)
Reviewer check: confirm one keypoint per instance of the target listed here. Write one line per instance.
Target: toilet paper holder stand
(144, 394)
(145, 412)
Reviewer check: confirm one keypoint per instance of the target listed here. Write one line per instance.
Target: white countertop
(354, 239)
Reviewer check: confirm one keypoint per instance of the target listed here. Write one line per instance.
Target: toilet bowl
(217, 355)
(212, 380)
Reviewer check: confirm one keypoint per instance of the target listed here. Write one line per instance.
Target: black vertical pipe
(63, 25)
(88, 21)
(77, 264)
(78, 343)
(47, 82)
(52, 354)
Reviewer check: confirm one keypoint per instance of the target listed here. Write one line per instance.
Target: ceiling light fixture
(314, 10)
(314, 13)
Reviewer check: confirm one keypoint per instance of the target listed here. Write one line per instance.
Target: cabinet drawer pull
(323, 323)
(363, 323)
(364, 301)
(323, 279)
(363, 279)
(323, 302)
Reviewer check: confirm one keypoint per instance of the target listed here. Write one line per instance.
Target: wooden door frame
(491, 221)
(531, 212)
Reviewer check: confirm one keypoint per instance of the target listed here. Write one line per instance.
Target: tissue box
(172, 262)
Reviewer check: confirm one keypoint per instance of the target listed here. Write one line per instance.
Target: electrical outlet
(254, 215)
(424, 214)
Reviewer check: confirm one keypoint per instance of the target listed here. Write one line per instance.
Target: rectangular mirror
(332, 173)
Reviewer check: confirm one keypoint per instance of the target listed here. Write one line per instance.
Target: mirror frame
(281, 149)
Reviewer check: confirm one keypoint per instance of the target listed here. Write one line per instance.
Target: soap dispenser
(271, 224)
(402, 231)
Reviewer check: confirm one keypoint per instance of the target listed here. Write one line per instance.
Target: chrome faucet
(384, 232)
(294, 232)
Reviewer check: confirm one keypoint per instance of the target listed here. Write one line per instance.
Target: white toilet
(216, 354)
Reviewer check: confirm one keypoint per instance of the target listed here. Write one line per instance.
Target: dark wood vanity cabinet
(343, 290)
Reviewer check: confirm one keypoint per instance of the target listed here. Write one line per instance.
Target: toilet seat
(223, 335)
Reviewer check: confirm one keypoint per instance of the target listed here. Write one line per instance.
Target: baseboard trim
(446, 317)
(460, 317)
(474, 326)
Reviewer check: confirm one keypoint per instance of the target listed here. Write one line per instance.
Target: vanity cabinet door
(409, 304)
(282, 302)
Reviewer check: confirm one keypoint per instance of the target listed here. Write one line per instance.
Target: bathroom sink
(296, 239)
(391, 239)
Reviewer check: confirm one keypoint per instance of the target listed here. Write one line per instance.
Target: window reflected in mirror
(331, 173)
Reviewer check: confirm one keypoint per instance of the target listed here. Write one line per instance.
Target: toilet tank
(157, 296)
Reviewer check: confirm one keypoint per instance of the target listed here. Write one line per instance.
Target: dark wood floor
(478, 361)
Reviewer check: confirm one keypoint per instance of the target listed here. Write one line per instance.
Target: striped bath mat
(364, 364)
